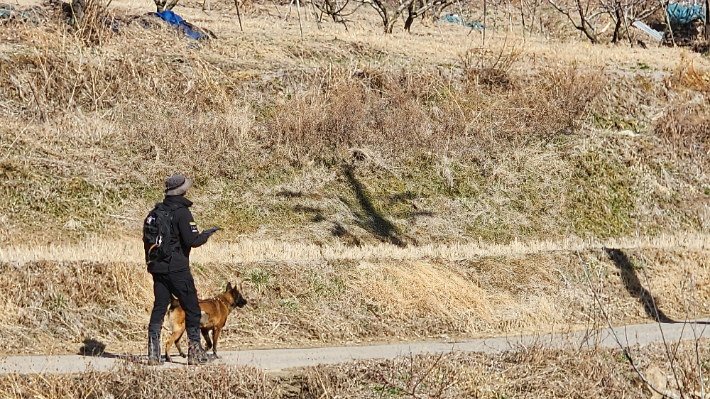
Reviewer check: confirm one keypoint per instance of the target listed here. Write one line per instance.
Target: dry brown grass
(414, 111)
(527, 372)
(131, 381)
(685, 126)
(421, 289)
(266, 126)
(485, 175)
(75, 301)
(532, 371)
(52, 307)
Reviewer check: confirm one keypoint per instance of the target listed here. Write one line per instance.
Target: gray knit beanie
(177, 185)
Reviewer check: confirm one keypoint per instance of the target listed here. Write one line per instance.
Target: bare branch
(672, 358)
(623, 348)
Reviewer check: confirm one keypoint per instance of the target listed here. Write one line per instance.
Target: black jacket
(184, 237)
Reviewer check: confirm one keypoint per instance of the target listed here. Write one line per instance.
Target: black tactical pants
(182, 285)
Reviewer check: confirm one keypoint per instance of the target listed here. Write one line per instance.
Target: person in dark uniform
(173, 277)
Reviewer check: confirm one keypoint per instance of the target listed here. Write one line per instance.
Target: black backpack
(157, 234)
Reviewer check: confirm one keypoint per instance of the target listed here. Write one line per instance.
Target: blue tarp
(682, 15)
(32, 15)
(6, 11)
(456, 19)
(175, 20)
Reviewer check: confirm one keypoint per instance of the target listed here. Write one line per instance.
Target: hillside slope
(352, 148)
(349, 136)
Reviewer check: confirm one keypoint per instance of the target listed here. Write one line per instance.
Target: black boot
(195, 353)
(154, 344)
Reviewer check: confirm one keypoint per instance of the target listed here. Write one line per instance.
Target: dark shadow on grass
(96, 348)
(93, 347)
(344, 234)
(289, 194)
(408, 198)
(370, 218)
(403, 197)
(421, 214)
(317, 212)
(634, 287)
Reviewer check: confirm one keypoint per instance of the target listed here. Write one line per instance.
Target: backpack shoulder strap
(173, 225)
(160, 206)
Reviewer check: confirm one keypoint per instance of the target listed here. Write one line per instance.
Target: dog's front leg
(215, 336)
(175, 338)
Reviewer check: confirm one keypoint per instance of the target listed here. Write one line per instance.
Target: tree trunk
(587, 32)
(173, 3)
(617, 28)
(390, 25)
(585, 27)
(411, 14)
(396, 13)
(160, 5)
(381, 9)
(330, 9)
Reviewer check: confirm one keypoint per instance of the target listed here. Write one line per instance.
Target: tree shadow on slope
(368, 217)
(317, 213)
(634, 287)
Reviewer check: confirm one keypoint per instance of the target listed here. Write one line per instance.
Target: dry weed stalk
(685, 127)
(92, 21)
(416, 375)
(623, 348)
(686, 373)
(491, 67)
(134, 381)
(391, 109)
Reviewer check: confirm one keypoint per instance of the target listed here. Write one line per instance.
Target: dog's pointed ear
(229, 286)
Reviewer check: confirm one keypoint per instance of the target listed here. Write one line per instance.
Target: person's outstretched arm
(189, 234)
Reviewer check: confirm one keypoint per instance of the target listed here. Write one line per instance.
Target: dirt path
(279, 359)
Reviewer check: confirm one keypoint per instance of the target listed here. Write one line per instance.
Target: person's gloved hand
(212, 230)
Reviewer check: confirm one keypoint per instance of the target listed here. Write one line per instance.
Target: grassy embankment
(346, 141)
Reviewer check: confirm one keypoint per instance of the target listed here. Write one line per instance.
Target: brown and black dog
(214, 316)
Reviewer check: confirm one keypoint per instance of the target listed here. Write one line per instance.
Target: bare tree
(586, 14)
(332, 9)
(335, 9)
(583, 14)
(626, 12)
(389, 13)
(165, 5)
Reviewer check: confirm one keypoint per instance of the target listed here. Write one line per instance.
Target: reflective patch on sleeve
(193, 224)
(193, 229)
